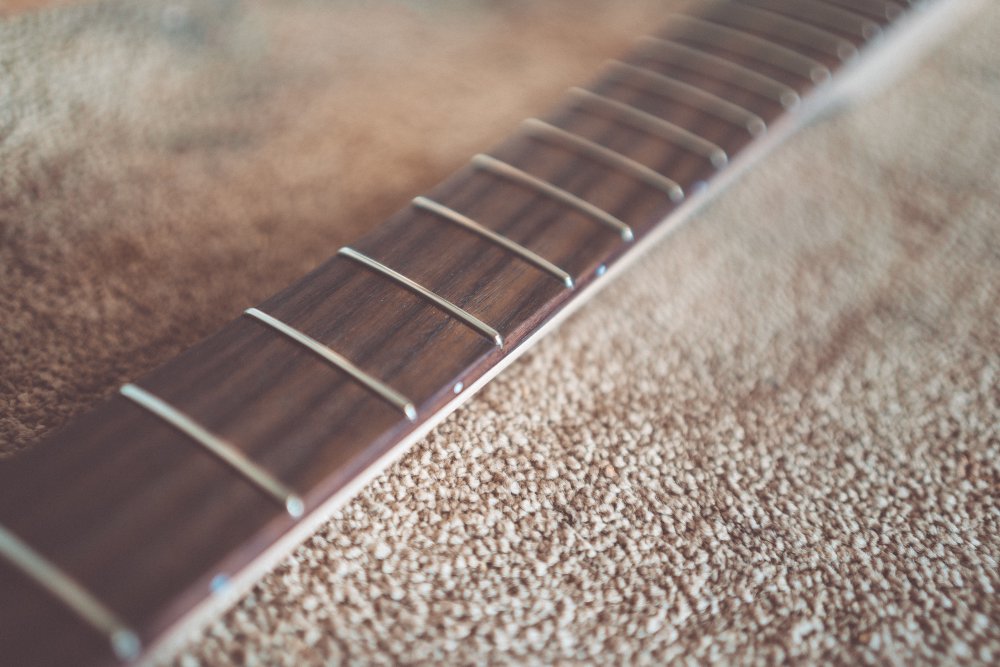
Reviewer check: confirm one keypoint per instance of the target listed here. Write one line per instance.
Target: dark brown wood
(145, 519)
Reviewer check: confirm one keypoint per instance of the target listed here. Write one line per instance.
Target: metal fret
(818, 12)
(527, 255)
(376, 386)
(785, 27)
(752, 46)
(460, 313)
(707, 64)
(124, 641)
(882, 8)
(647, 122)
(510, 172)
(685, 93)
(543, 130)
(230, 455)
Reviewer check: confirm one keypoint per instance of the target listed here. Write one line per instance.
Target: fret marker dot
(219, 583)
(294, 506)
(125, 644)
(601, 270)
(458, 387)
(699, 186)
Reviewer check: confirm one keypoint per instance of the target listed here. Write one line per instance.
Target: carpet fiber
(776, 437)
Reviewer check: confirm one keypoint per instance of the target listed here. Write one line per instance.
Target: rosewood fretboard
(143, 522)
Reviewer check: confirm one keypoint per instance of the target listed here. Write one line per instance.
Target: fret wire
(232, 456)
(889, 10)
(651, 124)
(752, 46)
(527, 255)
(510, 172)
(785, 27)
(444, 304)
(376, 386)
(125, 642)
(711, 65)
(824, 14)
(543, 130)
(685, 93)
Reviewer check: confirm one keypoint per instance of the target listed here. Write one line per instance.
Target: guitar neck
(162, 504)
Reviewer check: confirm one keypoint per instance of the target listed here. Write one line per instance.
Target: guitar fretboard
(145, 509)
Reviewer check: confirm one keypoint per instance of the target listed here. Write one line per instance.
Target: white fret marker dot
(294, 506)
(458, 387)
(125, 644)
(219, 583)
(601, 270)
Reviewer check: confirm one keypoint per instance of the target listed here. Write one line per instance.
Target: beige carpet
(775, 438)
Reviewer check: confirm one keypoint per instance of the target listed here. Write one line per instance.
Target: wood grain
(145, 519)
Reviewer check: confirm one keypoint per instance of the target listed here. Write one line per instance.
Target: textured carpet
(776, 437)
